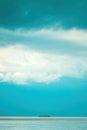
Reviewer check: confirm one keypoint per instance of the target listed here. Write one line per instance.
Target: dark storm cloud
(43, 13)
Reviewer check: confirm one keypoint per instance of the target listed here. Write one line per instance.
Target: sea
(43, 123)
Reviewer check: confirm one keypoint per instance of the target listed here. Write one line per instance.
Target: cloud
(74, 35)
(72, 41)
(20, 64)
(43, 55)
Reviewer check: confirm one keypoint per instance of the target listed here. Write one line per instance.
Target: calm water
(44, 124)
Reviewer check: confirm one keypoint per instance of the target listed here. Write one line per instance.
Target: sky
(43, 58)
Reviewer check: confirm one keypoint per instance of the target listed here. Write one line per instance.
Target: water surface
(43, 123)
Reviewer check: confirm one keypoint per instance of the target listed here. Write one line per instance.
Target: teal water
(43, 124)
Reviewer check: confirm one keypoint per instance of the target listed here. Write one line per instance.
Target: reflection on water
(45, 124)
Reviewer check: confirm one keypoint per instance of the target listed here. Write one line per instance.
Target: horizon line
(37, 118)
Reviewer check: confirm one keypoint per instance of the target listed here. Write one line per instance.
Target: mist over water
(44, 124)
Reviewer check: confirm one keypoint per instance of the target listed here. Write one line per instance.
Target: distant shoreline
(40, 118)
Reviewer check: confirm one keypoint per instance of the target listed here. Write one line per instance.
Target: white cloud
(73, 35)
(70, 42)
(30, 57)
(20, 64)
